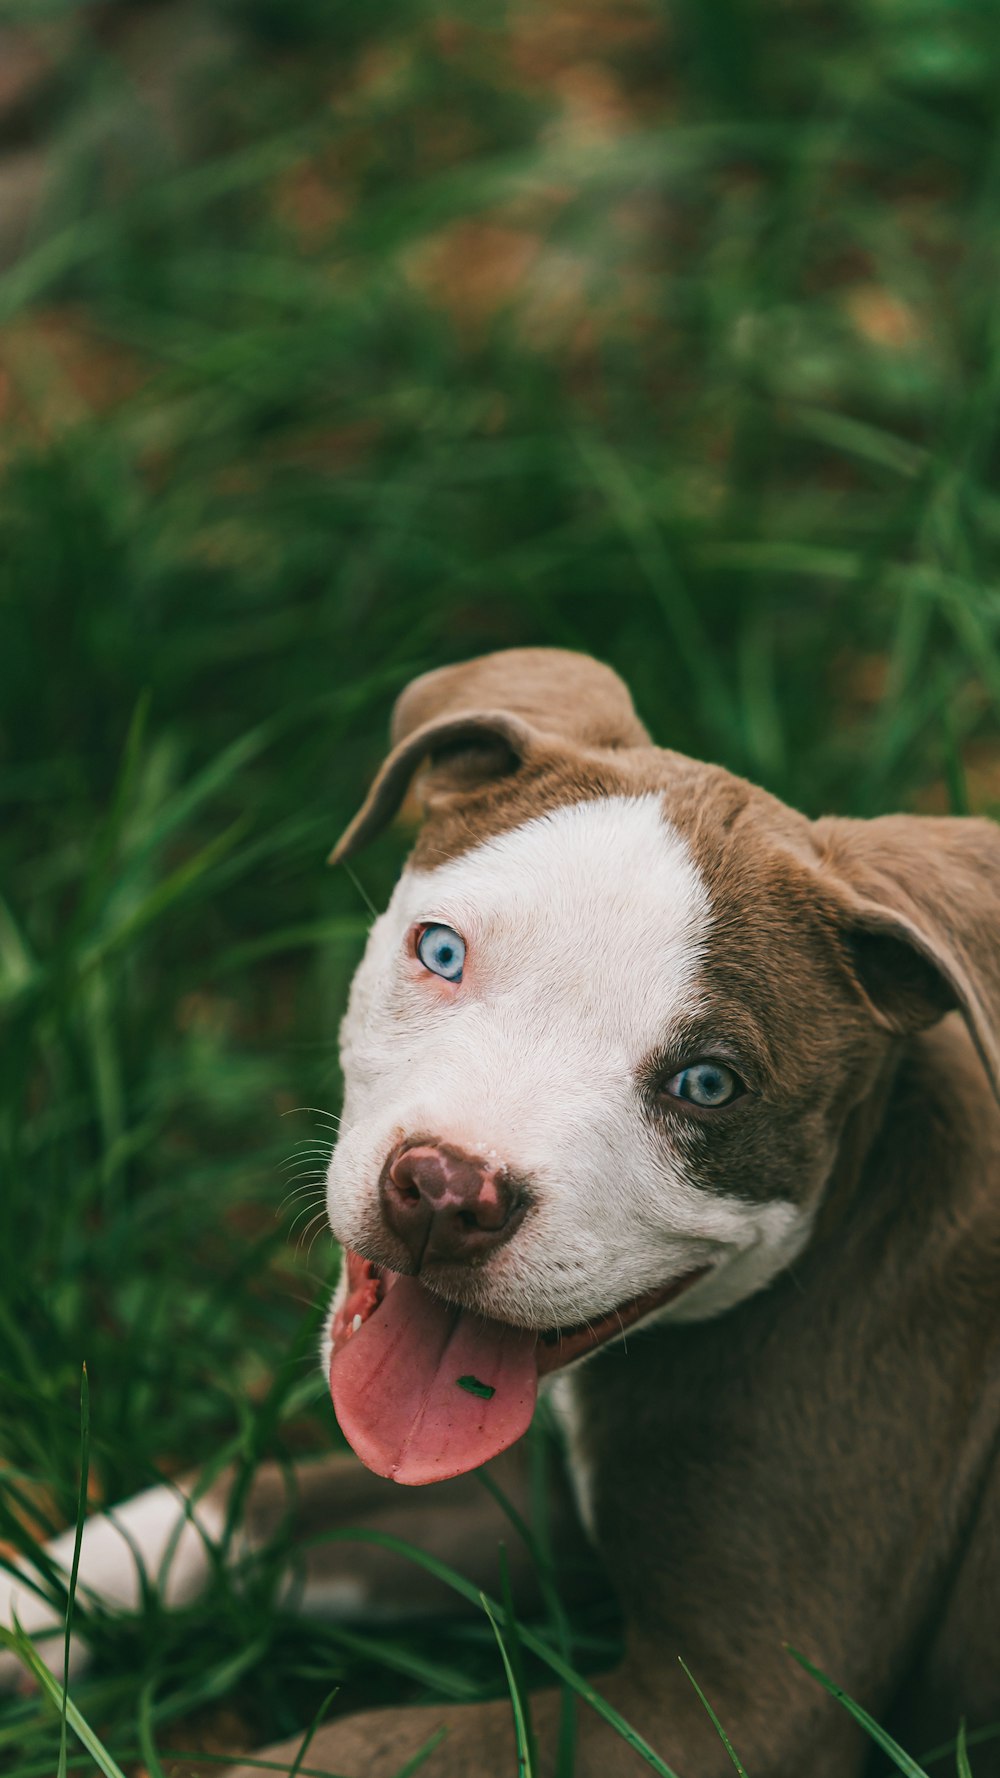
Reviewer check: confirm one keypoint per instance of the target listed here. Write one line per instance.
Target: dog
(682, 1107)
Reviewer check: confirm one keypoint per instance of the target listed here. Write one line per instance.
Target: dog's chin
(366, 1281)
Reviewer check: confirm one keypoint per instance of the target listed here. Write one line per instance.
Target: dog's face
(593, 1048)
(603, 1042)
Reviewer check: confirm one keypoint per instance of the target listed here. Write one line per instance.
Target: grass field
(397, 334)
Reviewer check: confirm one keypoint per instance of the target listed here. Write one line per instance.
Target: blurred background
(338, 341)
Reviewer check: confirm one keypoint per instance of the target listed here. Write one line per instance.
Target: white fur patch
(584, 930)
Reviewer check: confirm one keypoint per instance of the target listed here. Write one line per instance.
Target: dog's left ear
(485, 719)
(916, 899)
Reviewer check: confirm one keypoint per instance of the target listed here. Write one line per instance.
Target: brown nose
(445, 1205)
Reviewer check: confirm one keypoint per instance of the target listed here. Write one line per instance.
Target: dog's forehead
(597, 866)
(594, 912)
(721, 818)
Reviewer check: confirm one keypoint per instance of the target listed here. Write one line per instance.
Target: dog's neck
(861, 1131)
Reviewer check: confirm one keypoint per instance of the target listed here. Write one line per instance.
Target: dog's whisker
(315, 1278)
(331, 1116)
(306, 1209)
(315, 1192)
(362, 891)
(313, 1177)
(311, 1194)
(318, 1221)
(313, 1222)
(299, 1210)
(305, 1150)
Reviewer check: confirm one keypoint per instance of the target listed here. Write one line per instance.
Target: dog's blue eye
(442, 952)
(705, 1083)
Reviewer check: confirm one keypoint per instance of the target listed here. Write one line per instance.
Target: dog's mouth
(425, 1390)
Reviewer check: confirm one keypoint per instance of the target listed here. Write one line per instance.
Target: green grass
(272, 440)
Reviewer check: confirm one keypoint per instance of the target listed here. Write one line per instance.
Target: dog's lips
(364, 1293)
(560, 1346)
(425, 1390)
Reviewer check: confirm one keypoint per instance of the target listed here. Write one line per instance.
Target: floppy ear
(484, 719)
(918, 906)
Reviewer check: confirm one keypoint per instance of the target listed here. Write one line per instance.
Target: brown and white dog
(653, 1090)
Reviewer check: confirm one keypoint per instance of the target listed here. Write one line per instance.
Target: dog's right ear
(917, 906)
(485, 719)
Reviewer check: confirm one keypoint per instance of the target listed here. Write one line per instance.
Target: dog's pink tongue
(424, 1391)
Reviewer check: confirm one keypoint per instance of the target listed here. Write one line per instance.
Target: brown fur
(820, 1464)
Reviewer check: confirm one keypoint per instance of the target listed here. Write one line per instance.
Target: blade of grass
(21, 1645)
(716, 1724)
(962, 1753)
(449, 1682)
(903, 1761)
(538, 1547)
(81, 1514)
(423, 1753)
(542, 1455)
(854, 437)
(169, 890)
(80, 241)
(259, 1765)
(296, 1767)
(109, 838)
(147, 1744)
(514, 1655)
(977, 1738)
(522, 1732)
(953, 764)
(611, 475)
(82, 1761)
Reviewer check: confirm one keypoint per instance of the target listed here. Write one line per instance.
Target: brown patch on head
(829, 942)
(772, 1000)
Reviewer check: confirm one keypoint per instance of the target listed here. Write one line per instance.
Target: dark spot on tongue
(475, 1387)
(393, 1383)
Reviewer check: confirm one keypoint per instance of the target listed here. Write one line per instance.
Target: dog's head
(603, 1043)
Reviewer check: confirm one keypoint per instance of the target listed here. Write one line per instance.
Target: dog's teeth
(356, 1323)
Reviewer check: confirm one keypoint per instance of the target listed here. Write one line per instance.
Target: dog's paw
(470, 1740)
(157, 1537)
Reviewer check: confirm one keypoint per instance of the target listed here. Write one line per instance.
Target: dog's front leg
(656, 1701)
(459, 1522)
(478, 1741)
(161, 1535)
(171, 1534)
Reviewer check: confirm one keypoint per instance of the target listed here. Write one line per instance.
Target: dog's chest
(563, 1395)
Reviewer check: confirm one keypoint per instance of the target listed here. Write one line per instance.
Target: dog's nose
(446, 1205)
